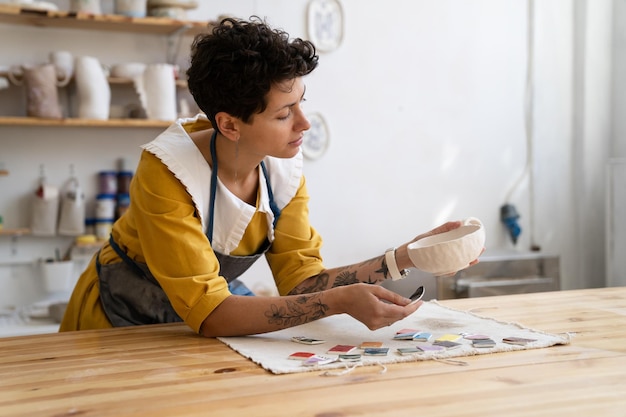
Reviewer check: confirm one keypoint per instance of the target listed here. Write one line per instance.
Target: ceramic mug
(63, 61)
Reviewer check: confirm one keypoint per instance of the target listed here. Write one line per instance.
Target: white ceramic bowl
(127, 70)
(449, 252)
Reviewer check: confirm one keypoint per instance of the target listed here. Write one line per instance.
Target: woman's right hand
(374, 306)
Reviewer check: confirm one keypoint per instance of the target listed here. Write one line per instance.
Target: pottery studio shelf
(17, 15)
(75, 122)
(14, 232)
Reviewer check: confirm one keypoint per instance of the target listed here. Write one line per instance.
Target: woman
(214, 193)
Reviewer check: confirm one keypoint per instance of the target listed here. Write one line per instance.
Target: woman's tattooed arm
(304, 309)
(372, 271)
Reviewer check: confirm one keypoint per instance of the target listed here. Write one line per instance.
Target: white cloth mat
(271, 350)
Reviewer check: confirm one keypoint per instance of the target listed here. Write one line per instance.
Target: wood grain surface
(167, 370)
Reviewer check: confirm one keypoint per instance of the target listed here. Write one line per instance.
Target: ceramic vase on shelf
(86, 6)
(92, 89)
(131, 8)
(157, 91)
(42, 98)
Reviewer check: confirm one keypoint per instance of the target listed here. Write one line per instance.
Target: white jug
(92, 88)
(72, 215)
(157, 91)
(45, 211)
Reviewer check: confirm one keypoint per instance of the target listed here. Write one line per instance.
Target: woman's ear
(227, 125)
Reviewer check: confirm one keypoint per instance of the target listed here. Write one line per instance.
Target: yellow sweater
(162, 229)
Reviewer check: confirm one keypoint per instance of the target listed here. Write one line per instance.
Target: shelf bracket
(173, 43)
(14, 241)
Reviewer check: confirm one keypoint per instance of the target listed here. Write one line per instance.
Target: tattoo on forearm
(319, 283)
(346, 275)
(383, 269)
(304, 309)
(345, 278)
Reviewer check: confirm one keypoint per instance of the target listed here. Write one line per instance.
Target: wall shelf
(17, 15)
(74, 122)
(14, 232)
(118, 80)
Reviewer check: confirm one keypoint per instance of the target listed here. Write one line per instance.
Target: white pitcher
(157, 91)
(92, 88)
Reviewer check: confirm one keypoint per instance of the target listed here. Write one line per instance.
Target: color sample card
(405, 331)
(339, 349)
(483, 343)
(474, 336)
(307, 340)
(318, 360)
(405, 334)
(382, 351)
(422, 336)
(365, 345)
(409, 350)
(350, 357)
(430, 348)
(301, 356)
(512, 340)
(448, 338)
(446, 343)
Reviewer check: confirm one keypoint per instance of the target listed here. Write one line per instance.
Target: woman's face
(279, 129)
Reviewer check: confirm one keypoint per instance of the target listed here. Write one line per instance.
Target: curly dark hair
(234, 66)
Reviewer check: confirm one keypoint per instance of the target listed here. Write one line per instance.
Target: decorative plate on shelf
(315, 141)
(325, 24)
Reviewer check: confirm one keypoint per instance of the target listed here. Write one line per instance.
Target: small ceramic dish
(417, 295)
(169, 12)
(127, 70)
(449, 252)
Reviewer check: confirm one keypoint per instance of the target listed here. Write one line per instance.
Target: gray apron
(129, 293)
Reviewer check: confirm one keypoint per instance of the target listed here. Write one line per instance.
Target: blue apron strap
(209, 232)
(125, 257)
(273, 206)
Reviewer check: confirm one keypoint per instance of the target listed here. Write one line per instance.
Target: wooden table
(166, 370)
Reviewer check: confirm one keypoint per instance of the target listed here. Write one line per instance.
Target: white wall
(619, 80)
(425, 105)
